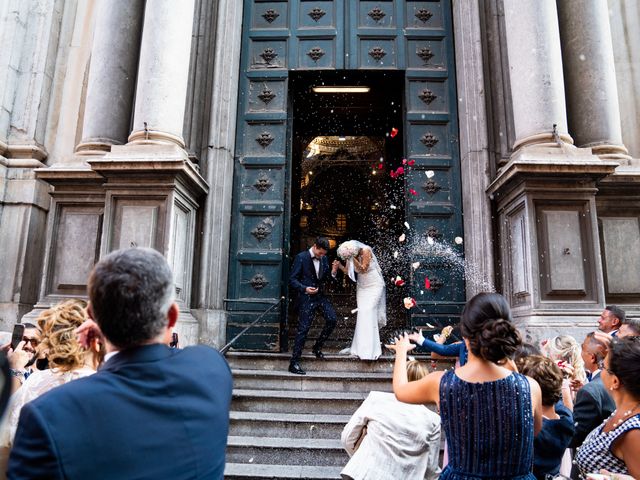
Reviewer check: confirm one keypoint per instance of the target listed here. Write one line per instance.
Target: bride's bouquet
(347, 250)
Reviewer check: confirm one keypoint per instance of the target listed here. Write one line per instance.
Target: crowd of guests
(97, 392)
(509, 410)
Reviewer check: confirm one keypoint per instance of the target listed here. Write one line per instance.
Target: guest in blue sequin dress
(489, 412)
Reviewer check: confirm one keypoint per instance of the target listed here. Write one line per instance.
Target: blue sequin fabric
(489, 428)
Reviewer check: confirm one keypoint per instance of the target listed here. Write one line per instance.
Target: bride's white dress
(372, 313)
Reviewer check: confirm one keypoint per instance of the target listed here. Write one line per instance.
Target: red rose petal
(393, 174)
(394, 132)
(399, 171)
(427, 283)
(380, 166)
(413, 192)
(411, 162)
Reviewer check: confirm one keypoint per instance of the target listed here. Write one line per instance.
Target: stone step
(239, 471)
(287, 425)
(340, 381)
(281, 401)
(334, 363)
(281, 451)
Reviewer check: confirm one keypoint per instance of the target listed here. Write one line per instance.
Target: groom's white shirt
(402, 440)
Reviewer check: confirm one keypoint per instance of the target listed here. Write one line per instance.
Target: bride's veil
(351, 271)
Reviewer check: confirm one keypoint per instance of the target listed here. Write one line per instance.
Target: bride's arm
(362, 265)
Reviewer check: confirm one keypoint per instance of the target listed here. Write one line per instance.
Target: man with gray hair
(151, 411)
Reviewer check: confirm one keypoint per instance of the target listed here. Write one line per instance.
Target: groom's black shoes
(319, 355)
(294, 367)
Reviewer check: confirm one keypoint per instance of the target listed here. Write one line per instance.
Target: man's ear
(172, 314)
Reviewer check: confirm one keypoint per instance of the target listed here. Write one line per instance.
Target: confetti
(427, 283)
(430, 240)
(404, 161)
(354, 310)
(394, 132)
(392, 174)
(399, 171)
(415, 265)
(392, 207)
(399, 282)
(402, 238)
(413, 192)
(395, 254)
(422, 293)
(346, 318)
(409, 303)
(411, 163)
(430, 326)
(380, 166)
(406, 224)
(458, 240)
(430, 173)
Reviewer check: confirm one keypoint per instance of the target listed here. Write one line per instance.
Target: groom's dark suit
(303, 275)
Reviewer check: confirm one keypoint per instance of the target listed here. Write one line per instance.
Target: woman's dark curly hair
(487, 324)
(548, 375)
(624, 362)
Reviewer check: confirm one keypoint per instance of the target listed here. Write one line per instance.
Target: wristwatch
(19, 374)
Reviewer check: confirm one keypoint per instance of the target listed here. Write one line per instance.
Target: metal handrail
(224, 349)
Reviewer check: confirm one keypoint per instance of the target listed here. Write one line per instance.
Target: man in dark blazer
(593, 403)
(150, 412)
(309, 273)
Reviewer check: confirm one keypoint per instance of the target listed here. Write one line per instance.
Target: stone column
(163, 73)
(114, 60)
(535, 71)
(590, 77)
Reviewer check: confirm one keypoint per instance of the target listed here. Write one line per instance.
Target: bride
(370, 296)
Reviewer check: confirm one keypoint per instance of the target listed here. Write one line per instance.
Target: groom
(308, 275)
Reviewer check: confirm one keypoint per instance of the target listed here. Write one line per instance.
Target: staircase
(286, 426)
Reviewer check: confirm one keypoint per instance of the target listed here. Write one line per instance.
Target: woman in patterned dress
(489, 412)
(614, 446)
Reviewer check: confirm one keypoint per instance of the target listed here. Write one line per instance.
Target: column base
(617, 153)
(25, 152)
(155, 137)
(95, 146)
(544, 140)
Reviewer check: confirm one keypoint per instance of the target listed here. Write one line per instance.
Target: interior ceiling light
(340, 89)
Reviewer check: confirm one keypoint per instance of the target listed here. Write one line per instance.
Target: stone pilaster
(212, 284)
(163, 73)
(33, 81)
(590, 78)
(111, 84)
(535, 70)
(474, 144)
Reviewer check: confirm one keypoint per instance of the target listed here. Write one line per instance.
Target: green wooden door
(279, 36)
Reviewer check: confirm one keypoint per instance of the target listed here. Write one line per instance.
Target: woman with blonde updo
(68, 360)
(567, 353)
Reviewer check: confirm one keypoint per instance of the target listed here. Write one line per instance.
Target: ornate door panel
(431, 130)
(415, 36)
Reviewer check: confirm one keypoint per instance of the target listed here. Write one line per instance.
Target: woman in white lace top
(68, 360)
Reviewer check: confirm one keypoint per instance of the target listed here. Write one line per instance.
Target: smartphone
(16, 337)
(174, 340)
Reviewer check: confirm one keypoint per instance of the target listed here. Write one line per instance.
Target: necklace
(624, 416)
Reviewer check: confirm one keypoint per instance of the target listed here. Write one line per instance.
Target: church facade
(474, 144)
